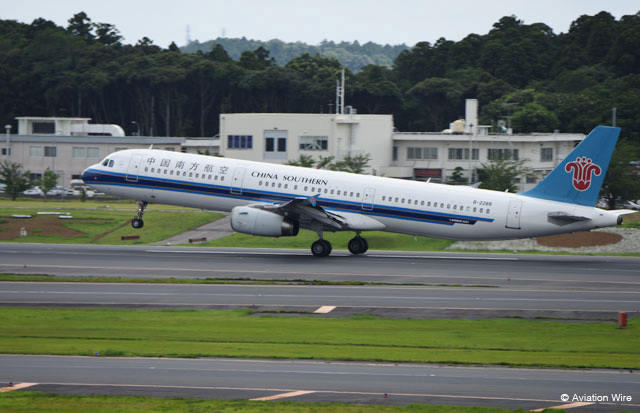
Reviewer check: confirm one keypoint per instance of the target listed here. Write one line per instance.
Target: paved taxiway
(319, 381)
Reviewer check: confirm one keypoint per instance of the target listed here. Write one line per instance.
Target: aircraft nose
(86, 175)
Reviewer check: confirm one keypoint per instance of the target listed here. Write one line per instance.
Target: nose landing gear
(138, 222)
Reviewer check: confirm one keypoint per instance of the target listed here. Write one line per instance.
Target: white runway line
(16, 387)
(282, 395)
(325, 309)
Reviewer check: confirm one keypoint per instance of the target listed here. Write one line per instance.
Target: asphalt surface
(486, 286)
(314, 381)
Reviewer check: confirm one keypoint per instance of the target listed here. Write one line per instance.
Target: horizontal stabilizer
(565, 217)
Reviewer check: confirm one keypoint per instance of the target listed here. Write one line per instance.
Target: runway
(315, 381)
(447, 285)
(575, 272)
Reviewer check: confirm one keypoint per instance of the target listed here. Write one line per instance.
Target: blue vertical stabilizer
(579, 177)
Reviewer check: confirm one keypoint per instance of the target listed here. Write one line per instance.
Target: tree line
(525, 73)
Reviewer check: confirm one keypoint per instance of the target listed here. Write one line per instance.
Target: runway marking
(325, 309)
(16, 387)
(565, 406)
(282, 395)
(318, 273)
(450, 396)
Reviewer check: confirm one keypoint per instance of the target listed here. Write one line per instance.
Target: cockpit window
(106, 162)
(111, 163)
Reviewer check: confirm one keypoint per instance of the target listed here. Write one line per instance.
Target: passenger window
(421, 203)
(273, 184)
(396, 199)
(295, 187)
(279, 185)
(481, 210)
(358, 195)
(338, 192)
(332, 192)
(171, 173)
(487, 210)
(197, 175)
(402, 201)
(474, 209)
(306, 188)
(215, 178)
(222, 178)
(351, 194)
(190, 174)
(441, 204)
(165, 171)
(383, 197)
(455, 207)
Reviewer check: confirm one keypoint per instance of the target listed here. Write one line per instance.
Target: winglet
(313, 199)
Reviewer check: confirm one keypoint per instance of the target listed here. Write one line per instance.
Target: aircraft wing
(309, 214)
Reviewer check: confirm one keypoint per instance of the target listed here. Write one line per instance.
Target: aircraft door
(134, 168)
(367, 199)
(513, 215)
(236, 181)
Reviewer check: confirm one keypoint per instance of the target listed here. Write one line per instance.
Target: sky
(380, 21)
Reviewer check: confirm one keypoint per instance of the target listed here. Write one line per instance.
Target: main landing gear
(322, 247)
(138, 222)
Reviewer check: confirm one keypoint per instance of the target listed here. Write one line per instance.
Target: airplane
(275, 200)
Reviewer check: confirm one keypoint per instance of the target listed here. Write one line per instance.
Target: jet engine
(255, 221)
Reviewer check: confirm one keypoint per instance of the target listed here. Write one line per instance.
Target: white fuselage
(410, 207)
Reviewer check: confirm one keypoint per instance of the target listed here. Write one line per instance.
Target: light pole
(7, 127)
(137, 127)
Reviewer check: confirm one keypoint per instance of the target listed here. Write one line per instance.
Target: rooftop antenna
(340, 95)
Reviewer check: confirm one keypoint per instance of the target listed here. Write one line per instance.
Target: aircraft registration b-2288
(277, 200)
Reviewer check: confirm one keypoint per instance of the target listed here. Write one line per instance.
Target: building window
(93, 152)
(463, 153)
(422, 153)
(44, 128)
(531, 179)
(314, 143)
(6, 151)
(36, 152)
(79, 152)
(35, 177)
(546, 154)
(240, 142)
(50, 151)
(395, 153)
(497, 154)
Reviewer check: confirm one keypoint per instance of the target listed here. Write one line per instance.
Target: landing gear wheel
(358, 245)
(321, 248)
(137, 222)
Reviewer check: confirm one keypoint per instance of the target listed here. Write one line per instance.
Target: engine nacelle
(255, 221)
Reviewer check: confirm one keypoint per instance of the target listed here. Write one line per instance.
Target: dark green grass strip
(237, 333)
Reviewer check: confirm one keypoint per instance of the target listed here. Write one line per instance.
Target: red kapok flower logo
(582, 169)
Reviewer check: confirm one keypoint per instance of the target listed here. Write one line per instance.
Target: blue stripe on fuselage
(96, 177)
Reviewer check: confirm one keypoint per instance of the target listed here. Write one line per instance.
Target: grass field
(95, 222)
(192, 333)
(377, 241)
(25, 402)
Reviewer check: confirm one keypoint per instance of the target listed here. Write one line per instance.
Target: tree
(621, 181)
(306, 161)
(457, 177)
(48, 181)
(14, 179)
(500, 174)
(534, 118)
(80, 25)
(354, 164)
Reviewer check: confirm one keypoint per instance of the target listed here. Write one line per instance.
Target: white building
(279, 137)
(68, 145)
